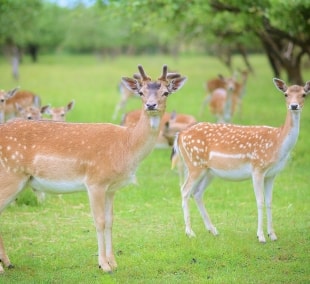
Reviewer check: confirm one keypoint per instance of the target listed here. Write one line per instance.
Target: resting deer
(59, 113)
(100, 158)
(31, 112)
(235, 152)
(8, 101)
(169, 125)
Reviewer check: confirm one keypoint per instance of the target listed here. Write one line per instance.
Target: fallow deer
(4, 96)
(31, 112)
(59, 113)
(8, 101)
(235, 152)
(99, 158)
(219, 97)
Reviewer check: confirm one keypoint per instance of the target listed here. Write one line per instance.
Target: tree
(281, 27)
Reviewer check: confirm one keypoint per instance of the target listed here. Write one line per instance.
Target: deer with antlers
(235, 152)
(8, 101)
(100, 158)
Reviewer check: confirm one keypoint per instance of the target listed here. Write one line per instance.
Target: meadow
(55, 242)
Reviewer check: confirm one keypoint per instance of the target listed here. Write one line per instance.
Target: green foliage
(56, 241)
(16, 20)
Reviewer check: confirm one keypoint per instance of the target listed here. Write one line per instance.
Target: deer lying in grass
(61, 157)
(59, 113)
(31, 112)
(8, 101)
(235, 152)
(169, 125)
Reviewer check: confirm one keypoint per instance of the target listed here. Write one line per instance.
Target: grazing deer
(8, 101)
(125, 94)
(235, 152)
(62, 157)
(59, 113)
(169, 125)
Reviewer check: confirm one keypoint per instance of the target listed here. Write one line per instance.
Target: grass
(55, 242)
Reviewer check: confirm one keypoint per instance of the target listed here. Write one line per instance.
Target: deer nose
(151, 106)
(294, 106)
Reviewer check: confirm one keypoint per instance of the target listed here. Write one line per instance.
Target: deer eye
(166, 94)
(303, 95)
(141, 93)
(285, 94)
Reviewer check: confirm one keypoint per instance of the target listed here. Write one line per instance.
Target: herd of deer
(100, 158)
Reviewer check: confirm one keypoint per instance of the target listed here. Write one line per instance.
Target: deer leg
(268, 202)
(97, 196)
(108, 229)
(186, 191)
(258, 184)
(198, 196)
(10, 186)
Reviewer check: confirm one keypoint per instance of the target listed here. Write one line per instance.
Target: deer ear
(307, 87)
(132, 84)
(176, 84)
(70, 105)
(280, 85)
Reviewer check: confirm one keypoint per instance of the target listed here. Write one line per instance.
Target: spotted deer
(99, 158)
(59, 113)
(4, 96)
(8, 101)
(220, 98)
(234, 152)
(31, 112)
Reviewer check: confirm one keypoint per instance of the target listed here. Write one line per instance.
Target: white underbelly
(57, 186)
(242, 173)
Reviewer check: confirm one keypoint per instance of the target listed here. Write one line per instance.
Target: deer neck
(289, 131)
(143, 136)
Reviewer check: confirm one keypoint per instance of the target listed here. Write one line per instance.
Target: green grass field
(55, 242)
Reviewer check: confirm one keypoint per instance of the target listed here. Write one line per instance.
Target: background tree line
(278, 28)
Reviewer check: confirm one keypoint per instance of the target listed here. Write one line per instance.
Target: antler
(173, 75)
(143, 74)
(163, 77)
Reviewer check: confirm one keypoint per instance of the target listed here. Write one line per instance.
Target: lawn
(55, 242)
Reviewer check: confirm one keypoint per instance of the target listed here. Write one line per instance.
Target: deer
(170, 124)
(175, 124)
(31, 112)
(237, 152)
(59, 113)
(4, 96)
(8, 101)
(217, 89)
(99, 158)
